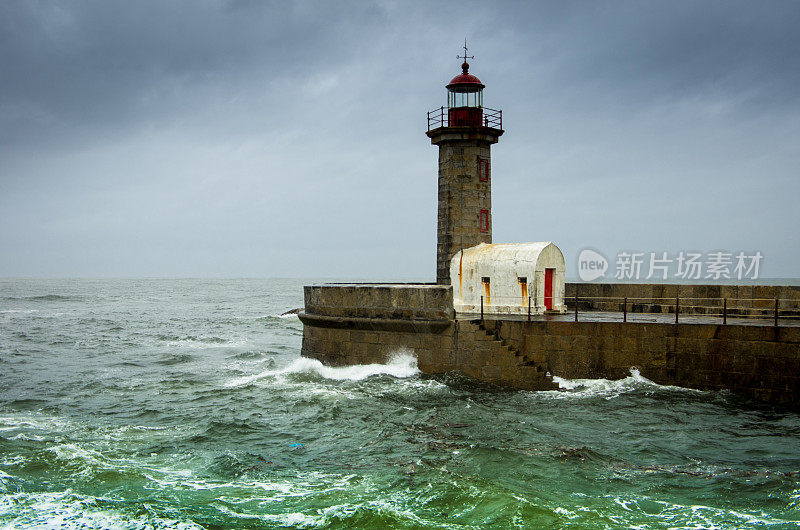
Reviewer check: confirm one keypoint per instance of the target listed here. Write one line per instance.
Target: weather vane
(465, 57)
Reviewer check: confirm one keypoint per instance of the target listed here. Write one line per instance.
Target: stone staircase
(532, 373)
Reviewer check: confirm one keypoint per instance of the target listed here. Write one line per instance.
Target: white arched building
(508, 277)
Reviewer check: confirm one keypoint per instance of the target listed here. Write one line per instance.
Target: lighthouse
(464, 131)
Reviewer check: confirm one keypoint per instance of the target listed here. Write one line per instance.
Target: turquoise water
(186, 404)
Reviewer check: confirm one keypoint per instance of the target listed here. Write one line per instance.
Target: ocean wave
(295, 519)
(66, 509)
(45, 298)
(651, 510)
(87, 461)
(193, 342)
(170, 360)
(5, 478)
(189, 338)
(33, 422)
(401, 365)
(31, 313)
(607, 388)
(303, 484)
(278, 319)
(248, 355)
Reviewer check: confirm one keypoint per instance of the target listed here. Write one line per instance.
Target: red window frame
(483, 169)
(484, 221)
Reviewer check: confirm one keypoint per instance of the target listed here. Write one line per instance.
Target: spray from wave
(607, 388)
(402, 364)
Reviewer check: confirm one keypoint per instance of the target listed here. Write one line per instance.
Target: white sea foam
(205, 343)
(69, 510)
(394, 507)
(11, 460)
(89, 460)
(293, 519)
(607, 388)
(402, 364)
(273, 491)
(699, 516)
(33, 421)
(4, 478)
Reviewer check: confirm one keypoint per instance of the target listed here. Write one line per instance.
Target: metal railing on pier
(765, 311)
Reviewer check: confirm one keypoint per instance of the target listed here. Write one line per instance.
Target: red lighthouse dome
(465, 82)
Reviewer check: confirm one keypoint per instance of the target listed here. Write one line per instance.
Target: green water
(186, 404)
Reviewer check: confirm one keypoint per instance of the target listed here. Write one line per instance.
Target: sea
(185, 403)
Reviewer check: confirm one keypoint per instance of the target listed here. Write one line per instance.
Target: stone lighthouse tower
(464, 132)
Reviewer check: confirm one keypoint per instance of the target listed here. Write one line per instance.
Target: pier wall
(761, 362)
(364, 324)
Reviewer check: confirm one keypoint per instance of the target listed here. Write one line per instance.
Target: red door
(548, 288)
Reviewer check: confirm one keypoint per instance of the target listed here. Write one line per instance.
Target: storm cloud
(287, 138)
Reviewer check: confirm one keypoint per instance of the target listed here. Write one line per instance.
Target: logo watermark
(684, 265)
(591, 265)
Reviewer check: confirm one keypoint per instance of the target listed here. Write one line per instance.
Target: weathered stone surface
(462, 194)
(420, 301)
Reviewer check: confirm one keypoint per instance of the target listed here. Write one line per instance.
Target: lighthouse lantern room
(465, 100)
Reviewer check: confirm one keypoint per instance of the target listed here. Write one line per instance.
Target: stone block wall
(347, 324)
(392, 301)
(351, 345)
(462, 194)
(762, 362)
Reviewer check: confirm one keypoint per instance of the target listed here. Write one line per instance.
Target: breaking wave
(401, 365)
(609, 389)
(66, 509)
(45, 298)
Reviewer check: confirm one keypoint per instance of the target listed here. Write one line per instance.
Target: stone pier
(349, 324)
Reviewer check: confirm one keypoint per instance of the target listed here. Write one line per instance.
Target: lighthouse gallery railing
(441, 118)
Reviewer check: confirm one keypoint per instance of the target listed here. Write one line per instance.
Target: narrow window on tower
(483, 169)
(484, 220)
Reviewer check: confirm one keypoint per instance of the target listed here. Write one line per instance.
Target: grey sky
(287, 139)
